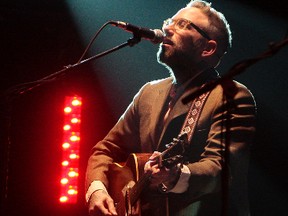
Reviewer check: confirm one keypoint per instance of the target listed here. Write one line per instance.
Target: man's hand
(101, 203)
(162, 178)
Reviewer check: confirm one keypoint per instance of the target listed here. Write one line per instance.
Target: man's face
(183, 47)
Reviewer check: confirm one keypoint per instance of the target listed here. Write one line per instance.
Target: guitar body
(128, 184)
(122, 178)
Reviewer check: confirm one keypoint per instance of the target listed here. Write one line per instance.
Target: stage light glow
(66, 145)
(76, 102)
(63, 199)
(67, 109)
(73, 156)
(72, 192)
(67, 127)
(64, 181)
(65, 163)
(70, 150)
(72, 174)
(75, 120)
(74, 138)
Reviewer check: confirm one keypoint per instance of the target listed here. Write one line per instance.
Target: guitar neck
(143, 181)
(137, 189)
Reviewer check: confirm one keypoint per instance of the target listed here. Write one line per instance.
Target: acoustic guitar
(127, 181)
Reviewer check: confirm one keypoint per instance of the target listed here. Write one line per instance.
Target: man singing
(218, 126)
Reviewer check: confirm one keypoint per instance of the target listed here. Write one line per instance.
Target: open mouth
(167, 41)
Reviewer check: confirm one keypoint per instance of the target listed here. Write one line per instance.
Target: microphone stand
(229, 92)
(27, 87)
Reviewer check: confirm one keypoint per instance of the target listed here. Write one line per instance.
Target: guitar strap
(193, 115)
(189, 127)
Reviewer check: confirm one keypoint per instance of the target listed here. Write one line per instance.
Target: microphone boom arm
(26, 87)
(237, 69)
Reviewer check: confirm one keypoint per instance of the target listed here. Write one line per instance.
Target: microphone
(155, 36)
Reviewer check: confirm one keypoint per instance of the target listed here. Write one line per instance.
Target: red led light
(73, 156)
(66, 145)
(76, 102)
(75, 120)
(65, 163)
(72, 174)
(67, 109)
(70, 150)
(74, 138)
(72, 191)
(64, 181)
(67, 127)
(63, 199)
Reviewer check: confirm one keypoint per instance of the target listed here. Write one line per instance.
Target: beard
(168, 56)
(179, 56)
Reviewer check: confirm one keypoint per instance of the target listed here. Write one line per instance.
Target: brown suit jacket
(140, 129)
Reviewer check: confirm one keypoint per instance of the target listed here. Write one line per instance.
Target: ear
(210, 48)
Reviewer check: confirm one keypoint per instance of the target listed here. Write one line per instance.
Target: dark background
(39, 37)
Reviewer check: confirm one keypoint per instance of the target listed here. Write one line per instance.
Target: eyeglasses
(184, 24)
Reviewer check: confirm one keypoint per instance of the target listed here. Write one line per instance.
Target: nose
(168, 29)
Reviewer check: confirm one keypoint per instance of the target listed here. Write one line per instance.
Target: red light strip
(70, 150)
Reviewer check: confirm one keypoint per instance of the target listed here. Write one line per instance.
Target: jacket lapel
(158, 107)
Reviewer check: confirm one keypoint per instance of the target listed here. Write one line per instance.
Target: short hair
(219, 28)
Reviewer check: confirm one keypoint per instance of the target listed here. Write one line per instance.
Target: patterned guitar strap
(193, 116)
(188, 128)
